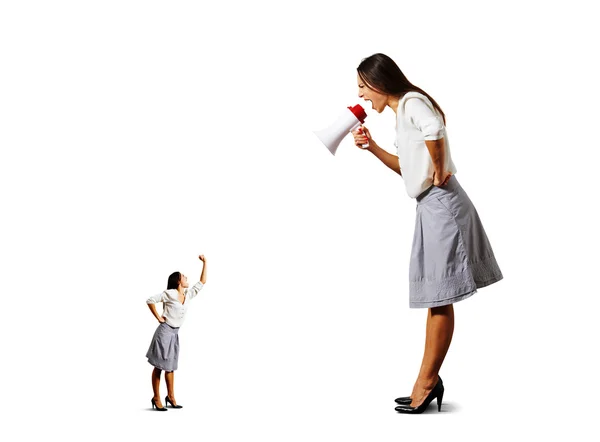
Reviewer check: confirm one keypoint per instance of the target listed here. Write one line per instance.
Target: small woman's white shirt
(173, 310)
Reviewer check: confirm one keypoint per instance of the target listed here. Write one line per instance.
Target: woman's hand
(441, 183)
(362, 136)
(202, 258)
(161, 319)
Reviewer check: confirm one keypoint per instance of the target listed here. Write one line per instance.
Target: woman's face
(377, 99)
(183, 282)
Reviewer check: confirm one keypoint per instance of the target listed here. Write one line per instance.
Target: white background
(136, 135)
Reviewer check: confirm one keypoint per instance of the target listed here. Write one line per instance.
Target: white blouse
(173, 310)
(417, 121)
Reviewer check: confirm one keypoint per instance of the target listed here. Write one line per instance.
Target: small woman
(451, 256)
(163, 353)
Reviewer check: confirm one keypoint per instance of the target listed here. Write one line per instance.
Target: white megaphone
(332, 136)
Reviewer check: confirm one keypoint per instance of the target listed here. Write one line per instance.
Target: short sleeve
(424, 118)
(194, 290)
(161, 297)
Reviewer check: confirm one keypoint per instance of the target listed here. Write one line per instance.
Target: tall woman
(163, 353)
(451, 256)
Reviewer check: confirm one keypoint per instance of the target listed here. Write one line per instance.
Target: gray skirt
(163, 352)
(451, 256)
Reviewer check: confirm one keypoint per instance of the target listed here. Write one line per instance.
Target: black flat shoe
(436, 393)
(156, 406)
(406, 400)
(168, 401)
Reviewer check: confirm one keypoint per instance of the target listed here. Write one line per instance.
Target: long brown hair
(382, 74)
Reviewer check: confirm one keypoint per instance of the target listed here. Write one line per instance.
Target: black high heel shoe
(156, 406)
(168, 401)
(406, 400)
(436, 393)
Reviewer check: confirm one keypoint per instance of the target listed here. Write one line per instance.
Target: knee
(442, 310)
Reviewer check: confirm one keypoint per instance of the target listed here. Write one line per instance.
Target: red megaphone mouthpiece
(358, 112)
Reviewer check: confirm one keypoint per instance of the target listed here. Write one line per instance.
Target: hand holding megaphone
(361, 137)
(352, 118)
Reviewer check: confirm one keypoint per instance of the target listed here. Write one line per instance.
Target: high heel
(406, 400)
(156, 406)
(168, 401)
(436, 393)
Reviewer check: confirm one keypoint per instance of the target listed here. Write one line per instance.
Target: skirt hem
(161, 366)
(496, 278)
(441, 302)
(453, 299)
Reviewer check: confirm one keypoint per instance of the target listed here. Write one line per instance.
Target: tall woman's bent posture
(451, 256)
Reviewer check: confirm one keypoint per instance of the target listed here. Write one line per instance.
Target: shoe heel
(169, 401)
(439, 400)
(156, 406)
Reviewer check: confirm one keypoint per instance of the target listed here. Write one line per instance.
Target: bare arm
(431, 125)
(155, 313)
(203, 274)
(385, 157)
(437, 150)
(364, 137)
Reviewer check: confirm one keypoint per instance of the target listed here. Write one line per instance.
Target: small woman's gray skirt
(163, 352)
(451, 256)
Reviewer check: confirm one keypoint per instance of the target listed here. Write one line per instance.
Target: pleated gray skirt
(451, 256)
(163, 352)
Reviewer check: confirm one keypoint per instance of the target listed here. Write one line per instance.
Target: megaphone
(349, 120)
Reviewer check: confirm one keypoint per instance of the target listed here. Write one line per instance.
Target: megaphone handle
(366, 145)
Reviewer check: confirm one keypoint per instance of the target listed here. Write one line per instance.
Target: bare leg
(156, 386)
(428, 334)
(439, 329)
(170, 378)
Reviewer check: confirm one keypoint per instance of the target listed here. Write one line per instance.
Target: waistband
(434, 191)
(170, 326)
